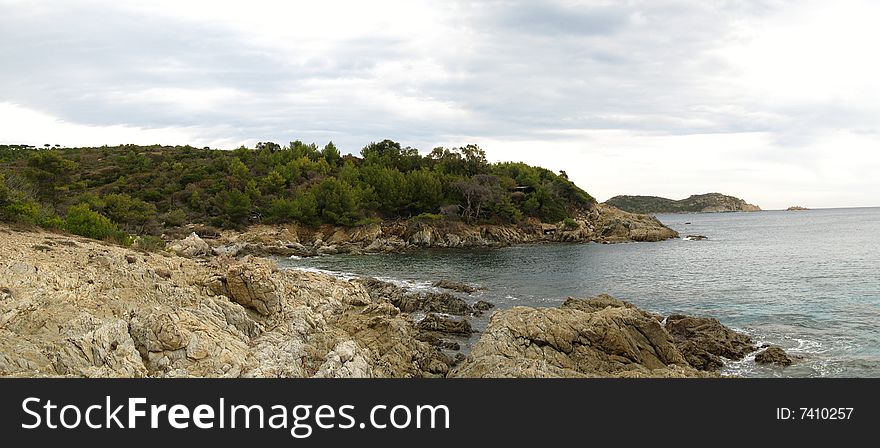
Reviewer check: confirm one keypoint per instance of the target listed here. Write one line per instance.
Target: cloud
(668, 98)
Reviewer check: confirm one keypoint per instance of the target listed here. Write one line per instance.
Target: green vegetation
(110, 192)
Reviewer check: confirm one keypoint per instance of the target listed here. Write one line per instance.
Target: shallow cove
(807, 281)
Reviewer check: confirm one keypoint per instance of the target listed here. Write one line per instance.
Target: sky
(773, 101)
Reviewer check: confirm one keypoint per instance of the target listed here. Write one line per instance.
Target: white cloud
(26, 126)
(775, 101)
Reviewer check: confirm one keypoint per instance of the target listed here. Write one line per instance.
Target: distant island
(698, 203)
(796, 208)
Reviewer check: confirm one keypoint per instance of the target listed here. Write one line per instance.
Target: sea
(808, 281)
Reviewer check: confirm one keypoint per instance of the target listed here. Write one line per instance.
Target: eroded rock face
(593, 337)
(84, 309)
(704, 341)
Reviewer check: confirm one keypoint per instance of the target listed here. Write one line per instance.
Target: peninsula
(698, 203)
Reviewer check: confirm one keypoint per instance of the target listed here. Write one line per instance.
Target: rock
(347, 360)
(704, 341)
(455, 286)
(435, 322)
(409, 302)
(84, 310)
(191, 246)
(432, 339)
(482, 305)
(774, 355)
(251, 285)
(131, 259)
(584, 339)
(695, 238)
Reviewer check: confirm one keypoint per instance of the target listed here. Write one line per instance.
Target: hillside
(698, 203)
(111, 192)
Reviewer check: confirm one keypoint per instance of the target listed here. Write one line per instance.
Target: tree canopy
(143, 189)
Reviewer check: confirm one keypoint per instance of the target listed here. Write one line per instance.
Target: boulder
(191, 246)
(704, 341)
(440, 324)
(774, 355)
(586, 339)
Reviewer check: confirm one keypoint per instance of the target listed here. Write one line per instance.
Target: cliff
(700, 203)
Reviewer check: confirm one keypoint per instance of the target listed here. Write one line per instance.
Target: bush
(53, 222)
(175, 218)
(368, 221)
(83, 221)
(149, 243)
(22, 212)
(428, 217)
(571, 224)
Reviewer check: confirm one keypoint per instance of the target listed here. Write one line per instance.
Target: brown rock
(703, 341)
(435, 322)
(774, 355)
(585, 338)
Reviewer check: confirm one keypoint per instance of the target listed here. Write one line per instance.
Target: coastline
(78, 307)
(603, 224)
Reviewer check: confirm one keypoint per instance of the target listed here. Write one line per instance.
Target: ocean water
(808, 281)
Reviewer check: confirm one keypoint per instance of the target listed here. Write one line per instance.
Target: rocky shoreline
(603, 224)
(77, 307)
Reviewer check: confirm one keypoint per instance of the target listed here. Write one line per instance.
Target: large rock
(774, 355)
(594, 337)
(191, 246)
(409, 302)
(704, 341)
(84, 309)
(435, 323)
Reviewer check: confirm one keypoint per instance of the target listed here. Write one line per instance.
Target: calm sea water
(808, 281)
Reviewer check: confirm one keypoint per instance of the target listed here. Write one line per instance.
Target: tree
(337, 202)
(273, 183)
(331, 154)
(132, 213)
(49, 171)
(476, 192)
(236, 206)
(5, 195)
(425, 190)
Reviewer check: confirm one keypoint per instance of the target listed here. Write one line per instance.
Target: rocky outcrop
(583, 338)
(774, 355)
(84, 308)
(704, 341)
(698, 203)
(191, 246)
(76, 307)
(409, 302)
(602, 223)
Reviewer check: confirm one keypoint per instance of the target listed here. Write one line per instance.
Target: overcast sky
(773, 101)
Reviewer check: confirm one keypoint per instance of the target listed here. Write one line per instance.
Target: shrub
(149, 243)
(52, 221)
(175, 218)
(81, 220)
(571, 224)
(368, 221)
(428, 217)
(22, 212)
